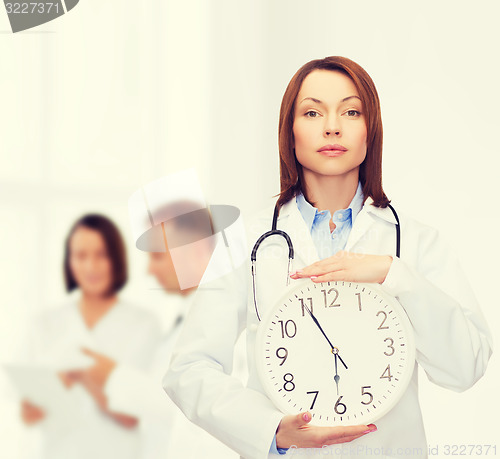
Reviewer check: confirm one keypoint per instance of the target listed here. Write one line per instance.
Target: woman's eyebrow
(320, 102)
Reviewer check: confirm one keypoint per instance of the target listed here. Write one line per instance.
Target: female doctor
(333, 207)
(97, 318)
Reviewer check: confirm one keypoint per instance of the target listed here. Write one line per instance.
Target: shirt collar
(357, 202)
(309, 212)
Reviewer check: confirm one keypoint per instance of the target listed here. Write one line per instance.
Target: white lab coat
(127, 334)
(452, 338)
(166, 432)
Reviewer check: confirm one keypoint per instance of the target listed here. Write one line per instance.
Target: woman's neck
(330, 193)
(94, 307)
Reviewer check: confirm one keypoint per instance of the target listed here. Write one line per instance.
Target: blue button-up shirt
(327, 242)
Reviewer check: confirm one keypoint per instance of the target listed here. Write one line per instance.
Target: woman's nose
(332, 126)
(92, 264)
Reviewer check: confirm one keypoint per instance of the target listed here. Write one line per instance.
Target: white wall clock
(342, 350)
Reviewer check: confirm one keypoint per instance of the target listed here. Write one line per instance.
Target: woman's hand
(99, 373)
(126, 421)
(295, 431)
(94, 378)
(31, 414)
(97, 393)
(67, 379)
(347, 266)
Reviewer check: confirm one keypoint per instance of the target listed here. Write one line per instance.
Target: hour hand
(336, 377)
(335, 352)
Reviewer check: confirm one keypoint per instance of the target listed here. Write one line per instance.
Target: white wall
(117, 93)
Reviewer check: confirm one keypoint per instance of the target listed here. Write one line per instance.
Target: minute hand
(324, 334)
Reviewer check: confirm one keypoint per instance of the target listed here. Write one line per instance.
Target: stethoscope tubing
(277, 232)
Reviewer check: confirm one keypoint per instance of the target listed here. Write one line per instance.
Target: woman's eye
(311, 114)
(351, 113)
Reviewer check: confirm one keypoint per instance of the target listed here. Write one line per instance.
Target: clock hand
(336, 377)
(324, 334)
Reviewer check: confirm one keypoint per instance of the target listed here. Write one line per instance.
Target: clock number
(288, 382)
(310, 305)
(315, 397)
(381, 327)
(283, 357)
(359, 300)
(286, 329)
(389, 346)
(388, 375)
(339, 407)
(363, 392)
(331, 305)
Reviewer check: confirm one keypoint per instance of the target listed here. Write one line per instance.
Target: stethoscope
(277, 232)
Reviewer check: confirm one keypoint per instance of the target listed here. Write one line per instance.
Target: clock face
(343, 351)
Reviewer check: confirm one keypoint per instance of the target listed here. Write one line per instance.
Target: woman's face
(328, 111)
(89, 261)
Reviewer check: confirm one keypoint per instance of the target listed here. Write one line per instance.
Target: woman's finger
(336, 435)
(339, 275)
(346, 439)
(318, 270)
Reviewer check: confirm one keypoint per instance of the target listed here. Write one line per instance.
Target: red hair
(370, 171)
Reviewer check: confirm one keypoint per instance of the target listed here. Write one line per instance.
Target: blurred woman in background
(95, 318)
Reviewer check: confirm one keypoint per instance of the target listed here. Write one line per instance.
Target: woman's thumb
(304, 418)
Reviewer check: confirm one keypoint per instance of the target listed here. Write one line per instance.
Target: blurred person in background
(97, 319)
(189, 246)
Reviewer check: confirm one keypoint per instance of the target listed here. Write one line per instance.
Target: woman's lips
(94, 280)
(332, 150)
(332, 153)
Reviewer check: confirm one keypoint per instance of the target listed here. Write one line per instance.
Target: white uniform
(125, 333)
(166, 432)
(452, 338)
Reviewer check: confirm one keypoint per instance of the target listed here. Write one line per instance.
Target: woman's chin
(100, 291)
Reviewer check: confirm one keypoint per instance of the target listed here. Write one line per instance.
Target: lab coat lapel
(361, 226)
(365, 221)
(292, 222)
